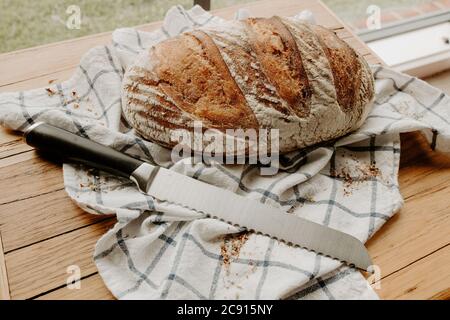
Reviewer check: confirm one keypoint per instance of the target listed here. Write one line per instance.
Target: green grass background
(28, 23)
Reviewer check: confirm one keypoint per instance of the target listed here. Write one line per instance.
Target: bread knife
(212, 201)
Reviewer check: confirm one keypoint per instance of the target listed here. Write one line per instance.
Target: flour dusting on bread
(271, 73)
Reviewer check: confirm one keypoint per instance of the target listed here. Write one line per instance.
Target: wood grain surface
(4, 285)
(43, 232)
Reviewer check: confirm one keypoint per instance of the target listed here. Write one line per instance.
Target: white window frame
(425, 39)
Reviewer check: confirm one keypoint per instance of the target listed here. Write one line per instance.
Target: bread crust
(193, 74)
(344, 65)
(275, 73)
(276, 49)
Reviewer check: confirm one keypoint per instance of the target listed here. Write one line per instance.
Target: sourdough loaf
(257, 73)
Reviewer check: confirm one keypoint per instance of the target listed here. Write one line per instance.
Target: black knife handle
(69, 146)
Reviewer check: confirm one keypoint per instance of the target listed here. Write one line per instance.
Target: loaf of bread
(274, 73)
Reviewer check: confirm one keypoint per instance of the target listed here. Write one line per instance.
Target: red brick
(408, 13)
(360, 24)
(428, 7)
(443, 3)
(388, 17)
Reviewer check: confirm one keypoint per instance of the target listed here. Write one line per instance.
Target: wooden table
(43, 232)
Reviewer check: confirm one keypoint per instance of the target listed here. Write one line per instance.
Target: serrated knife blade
(215, 202)
(167, 185)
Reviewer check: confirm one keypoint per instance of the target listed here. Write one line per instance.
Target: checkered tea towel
(162, 251)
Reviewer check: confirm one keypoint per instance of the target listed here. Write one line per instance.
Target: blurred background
(412, 36)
